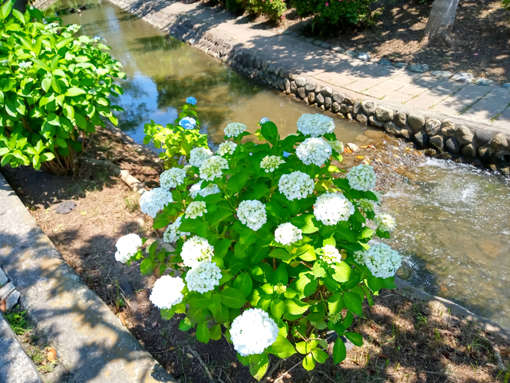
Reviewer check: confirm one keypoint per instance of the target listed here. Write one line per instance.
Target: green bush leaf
(353, 303)
(73, 92)
(147, 266)
(282, 348)
(233, 298)
(335, 303)
(339, 351)
(215, 332)
(244, 283)
(277, 307)
(319, 355)
(203, 334)
(342, 272)
(308, 362)
(355, 338)
(295, 307)
(305, 223)
(237, 182)
(258, 365)
(269, 132)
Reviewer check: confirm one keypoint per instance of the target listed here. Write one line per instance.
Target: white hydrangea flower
(367, 204)
(271, 163)
(212, 167)
(362, 177)
(315, 125)
(155, 200)
(314, 151)
(253, 331)
(234, 129)
(73, 28)
(204, 277)
(296, 185)
(382, 260)
(252, 213)
(198, 155)
(127, 246)
(227, 147)
(385, 222)
(359, 257)
(196, 250)
(337, 146)
(167, 292)
(331, 208)
(263, 120)
(172, 233)
(196, 209)
(287, 234)
(25, 64)
(331, 255)
(172, 177)
(208, 190)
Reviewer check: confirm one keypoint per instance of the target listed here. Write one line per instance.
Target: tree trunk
(440, 24)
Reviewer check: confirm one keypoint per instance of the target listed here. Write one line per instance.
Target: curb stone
(15, 365)
(94, 344)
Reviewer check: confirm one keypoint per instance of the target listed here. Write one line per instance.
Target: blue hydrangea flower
(286, 154)
(191, 101)
(188, 123)
(263, 120)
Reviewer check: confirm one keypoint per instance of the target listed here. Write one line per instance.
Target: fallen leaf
(505, 351)
(360, 157)
(122, 319)
(51, 354)
(382, 356)
(155, 324)
(395, 155)
(446, 354)
(3, 305)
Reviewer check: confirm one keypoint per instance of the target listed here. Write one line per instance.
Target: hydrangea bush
(178, 139)
(54, 89)
(277, 254)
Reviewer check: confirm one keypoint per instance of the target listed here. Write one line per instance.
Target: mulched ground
(405, 340)
(481, 36)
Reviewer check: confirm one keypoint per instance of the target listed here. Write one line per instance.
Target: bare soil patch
(405, 340)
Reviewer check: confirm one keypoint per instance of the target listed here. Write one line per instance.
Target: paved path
(399, 88)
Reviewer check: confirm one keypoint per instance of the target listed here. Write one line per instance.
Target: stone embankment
(445, 135)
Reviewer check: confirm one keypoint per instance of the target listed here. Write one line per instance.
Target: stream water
(453, 220)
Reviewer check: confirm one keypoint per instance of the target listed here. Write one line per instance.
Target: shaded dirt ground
(481, 36)
(405, 340)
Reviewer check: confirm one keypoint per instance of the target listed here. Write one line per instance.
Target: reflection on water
(162, 72)
(454, 225)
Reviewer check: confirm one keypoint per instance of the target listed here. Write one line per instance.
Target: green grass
(18, 322)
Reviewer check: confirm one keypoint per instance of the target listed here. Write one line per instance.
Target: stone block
(12, 300)
(452, 145)
(432, 126)
(361, 118)
(447, 128)
(369, 107)
(319, 98)
(338, 97)
(383, 114)
(422, 139)
(300, 81)
(416, 122)
(400, 119)
(437, 142)
(463, 135)
(482, 137)
(6, 290)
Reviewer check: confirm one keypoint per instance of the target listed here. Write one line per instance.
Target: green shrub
(272, 9)
(54, 88)
(178, 139)
(506, 4)
(271, 250)
(334, 14)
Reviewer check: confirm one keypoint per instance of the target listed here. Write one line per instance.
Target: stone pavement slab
(491, 105)
(461, 101)
(91, 341)
(15, 365)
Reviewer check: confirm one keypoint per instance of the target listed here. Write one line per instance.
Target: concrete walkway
(90, 340)
(399, 88)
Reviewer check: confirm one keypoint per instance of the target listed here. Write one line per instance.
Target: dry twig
(195, 354)
(286, 372)
(272, 370)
